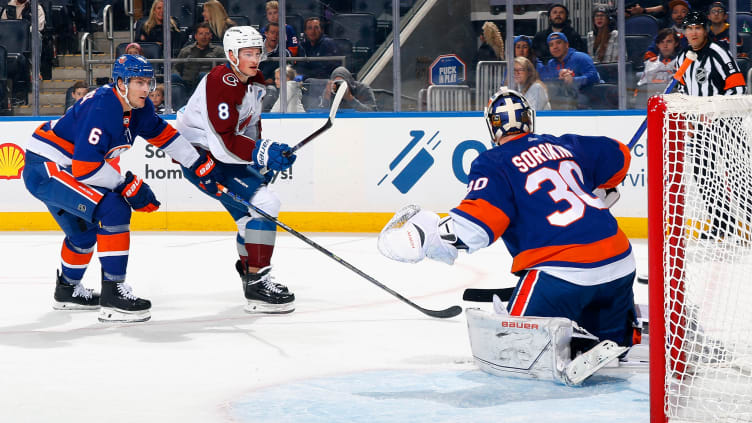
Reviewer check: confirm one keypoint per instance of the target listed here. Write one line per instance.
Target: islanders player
(222, 119)
(70, 168)
(536, 193)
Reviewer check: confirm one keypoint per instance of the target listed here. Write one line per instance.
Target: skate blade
(114, 315)
(591, 361)
(72, 306)
(258, 307)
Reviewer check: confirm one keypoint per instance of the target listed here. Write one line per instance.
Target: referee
(715, 72)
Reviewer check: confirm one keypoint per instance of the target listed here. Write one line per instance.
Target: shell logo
(12, 161)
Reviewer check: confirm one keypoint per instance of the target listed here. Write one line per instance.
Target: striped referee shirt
(714, 72)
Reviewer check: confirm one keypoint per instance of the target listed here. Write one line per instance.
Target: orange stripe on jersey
(73, 258)
(573, 253)
(734, 80)
(622, 173)
(53, 138)
(68, 179)
(113, 242)
(523, 294)
(81, 168)
(492, 216)
(167, 134)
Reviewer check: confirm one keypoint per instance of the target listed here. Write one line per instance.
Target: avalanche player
(69, 168)
(536, 193)
(222, 119)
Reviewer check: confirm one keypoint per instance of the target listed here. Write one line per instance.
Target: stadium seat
(4, 103)
(637, 45)
(296, 21)
(743, 6)
(744, 64)
(609, 73)
(313, 88)
(305, 8)
(241, 20)
(744, 22)
(185, 13)
(180, 95)
(15, 36)
(360, 29)
(151, 50)
(602, 96)
(642, 24)
(254, 10)
(745, 38)
(345, 48)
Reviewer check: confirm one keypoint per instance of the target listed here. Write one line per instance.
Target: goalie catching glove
(414, 234)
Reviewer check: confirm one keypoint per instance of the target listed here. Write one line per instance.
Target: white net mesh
(707, 210)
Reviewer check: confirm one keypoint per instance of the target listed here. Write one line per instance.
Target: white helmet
(239, 37)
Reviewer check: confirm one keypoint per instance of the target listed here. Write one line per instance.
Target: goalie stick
(690, 57)
(441, 314)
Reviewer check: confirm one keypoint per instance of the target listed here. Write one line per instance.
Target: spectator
(216, 15)
(523, 46)
(192, 72)
(272, 16)
(134, 48)
(530, 85)
(719, 27)
(659, 11)
(157, 97)
(558, 16)
(659, 70)
(271, 47)
(294, 92)
(602, 40)
(23, 11)
(78, 90)
(151, 31)
(569, 71)
(358, 97)
(492, 45)
(316, 44)
(679, 10)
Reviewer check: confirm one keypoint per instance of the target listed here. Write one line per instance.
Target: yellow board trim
(633, 227)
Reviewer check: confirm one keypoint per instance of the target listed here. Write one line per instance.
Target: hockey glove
(208, 173)
(608, 196)
(137, 193)
(273, 155)
(414, 234)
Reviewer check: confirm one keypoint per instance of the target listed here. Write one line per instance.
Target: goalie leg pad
(529, 347)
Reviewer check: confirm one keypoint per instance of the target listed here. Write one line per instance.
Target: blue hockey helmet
(508, 113)
(130, 66)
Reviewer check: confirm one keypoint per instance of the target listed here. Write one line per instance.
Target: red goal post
(700, 258)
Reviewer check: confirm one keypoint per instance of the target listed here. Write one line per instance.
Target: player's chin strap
(238, 71)
(124, 97)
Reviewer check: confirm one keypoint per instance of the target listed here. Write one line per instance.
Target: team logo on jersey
(701, 75)
(230, 80)
(121, 59)
(12, 161)
(116, 152)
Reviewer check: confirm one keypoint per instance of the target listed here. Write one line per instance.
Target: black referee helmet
(696, 17)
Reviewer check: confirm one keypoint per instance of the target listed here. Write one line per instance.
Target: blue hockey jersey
(95, 131)
(535, 192)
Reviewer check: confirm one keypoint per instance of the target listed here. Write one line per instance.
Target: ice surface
(350, 352)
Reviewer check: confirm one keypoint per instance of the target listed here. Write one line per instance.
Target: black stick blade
(442, 314)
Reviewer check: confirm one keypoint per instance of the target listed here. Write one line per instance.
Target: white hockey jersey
(223, 115)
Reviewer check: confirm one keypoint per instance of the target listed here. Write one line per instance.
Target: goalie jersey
(95, 131)
(535, 192)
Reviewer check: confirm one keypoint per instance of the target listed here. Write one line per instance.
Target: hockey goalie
(548, 199)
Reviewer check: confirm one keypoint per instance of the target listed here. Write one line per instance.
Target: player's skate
(263, 295)
(241, 272)
(591, 361)
(120, 305)
(74, 297)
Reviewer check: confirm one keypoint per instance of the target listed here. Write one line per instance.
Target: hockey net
(700, 243)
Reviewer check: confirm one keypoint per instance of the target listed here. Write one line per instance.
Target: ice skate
(263, 295)
(120, 305)
(74, 297)
(241, 272)
(591, 361)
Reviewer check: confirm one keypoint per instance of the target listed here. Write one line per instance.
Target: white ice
(350, 351)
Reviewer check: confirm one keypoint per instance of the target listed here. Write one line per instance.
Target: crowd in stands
(556, 69)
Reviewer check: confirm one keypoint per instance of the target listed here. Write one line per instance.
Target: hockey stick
(332, 113)
(486, 295)
(442, 314)
(690, 57)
